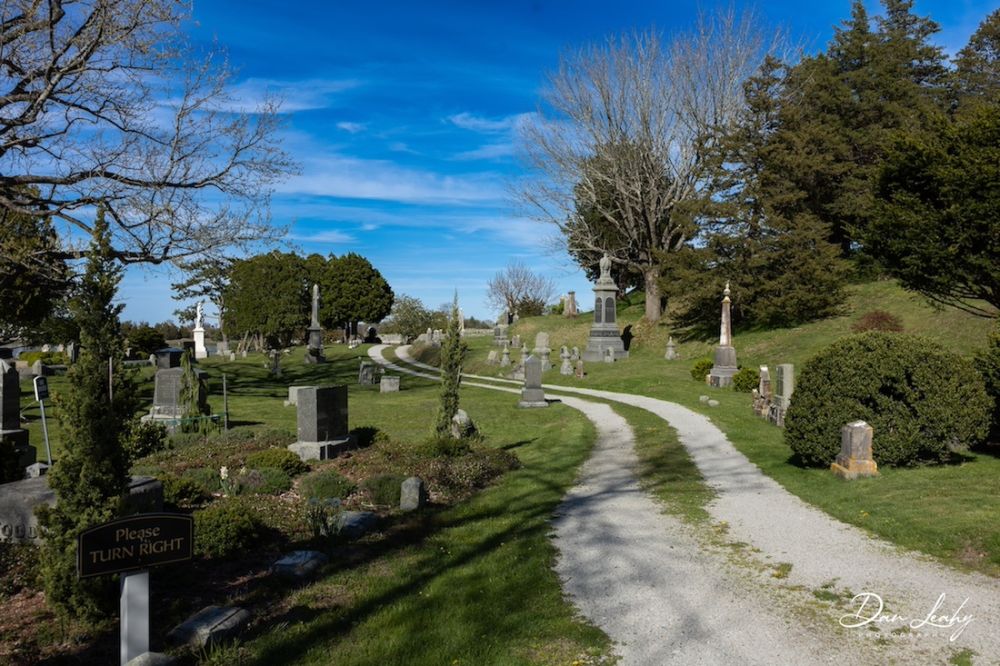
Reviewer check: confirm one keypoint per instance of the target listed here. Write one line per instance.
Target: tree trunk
(651, 278)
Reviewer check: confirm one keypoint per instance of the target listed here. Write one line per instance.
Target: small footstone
(713, 403)
(355, 524)
(35, 470)
(299, 564)
(210, 625)
(703, 398)
(151, 659)
(413, 494)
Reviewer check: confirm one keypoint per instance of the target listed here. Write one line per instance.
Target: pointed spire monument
(725, 355)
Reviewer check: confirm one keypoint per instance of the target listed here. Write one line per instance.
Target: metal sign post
(41, 394)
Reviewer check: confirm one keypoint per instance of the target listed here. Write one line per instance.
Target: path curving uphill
(783, 528)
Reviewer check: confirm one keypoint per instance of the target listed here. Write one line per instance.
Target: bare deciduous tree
(519, 289)
(623, 143)
(103, 102)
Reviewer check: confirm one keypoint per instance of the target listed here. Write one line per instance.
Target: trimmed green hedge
(923, 403)
(701, 367)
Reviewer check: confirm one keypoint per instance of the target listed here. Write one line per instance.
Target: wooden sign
(135, 542)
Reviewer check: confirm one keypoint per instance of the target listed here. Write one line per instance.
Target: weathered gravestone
(18, 501)
(13, 438)
(389, 385)
(580, 374)
(210, 626)
(725, 365)
(784, 386)
(491, 358)
(855, 459)
(569, 307)
(542, 350)
(671, 353)
(369, 373)
(566, 367)
(322, 422)
(314, 349)
(299, 564)
(505, 356)
(762, 396)
(575, 355)
(532, 394)
(413, 494)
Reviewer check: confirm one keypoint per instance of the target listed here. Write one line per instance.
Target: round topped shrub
(923, 403)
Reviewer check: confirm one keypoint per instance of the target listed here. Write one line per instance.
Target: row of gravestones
(771, 400)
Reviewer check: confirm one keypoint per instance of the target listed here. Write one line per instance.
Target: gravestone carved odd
(314, 349)
(542, 350)
(11, 432)
(784, 386)
(855, 459)
(725, 366)
(762, 395)
(569, 308)
(369, 373)
(566, 367)
(532, 394)
(322, 422)
(671, 353)
(575, 354)
(604, 333)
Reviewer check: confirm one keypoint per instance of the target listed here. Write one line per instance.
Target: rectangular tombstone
(322, 413)
(167, 388)
(784, 385)
(389, 385)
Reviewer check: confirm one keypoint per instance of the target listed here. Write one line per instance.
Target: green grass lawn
(479, 588)
(946, 511)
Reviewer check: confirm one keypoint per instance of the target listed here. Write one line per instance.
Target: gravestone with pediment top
(604, 333)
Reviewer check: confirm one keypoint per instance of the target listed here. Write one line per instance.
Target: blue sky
(402, 116)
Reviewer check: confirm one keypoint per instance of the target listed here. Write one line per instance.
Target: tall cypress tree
(453, 352)
(91, 476)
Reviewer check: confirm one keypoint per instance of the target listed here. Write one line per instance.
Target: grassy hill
(953, 329)
(945, 511)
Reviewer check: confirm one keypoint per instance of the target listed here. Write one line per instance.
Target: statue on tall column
(197, 315)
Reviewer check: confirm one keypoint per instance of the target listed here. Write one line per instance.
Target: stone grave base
(532, 398)
(307, 451)
(851, 469)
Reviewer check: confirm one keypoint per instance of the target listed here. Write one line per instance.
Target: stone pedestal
(604, 333)
(855, 459)
(199, 343)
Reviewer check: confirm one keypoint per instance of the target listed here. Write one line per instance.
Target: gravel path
(758, 511)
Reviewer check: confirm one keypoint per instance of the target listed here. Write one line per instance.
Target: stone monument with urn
(604, 333)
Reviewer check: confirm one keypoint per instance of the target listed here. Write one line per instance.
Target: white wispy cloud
(489, 151)
(332, 236)
(349, 177)
(474, 123)
(252, 94)
(348, 126)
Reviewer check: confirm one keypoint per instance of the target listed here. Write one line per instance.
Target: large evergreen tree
(352, 290)
(778, 260)
(841, 109)
(91, 476)
(268, 295)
